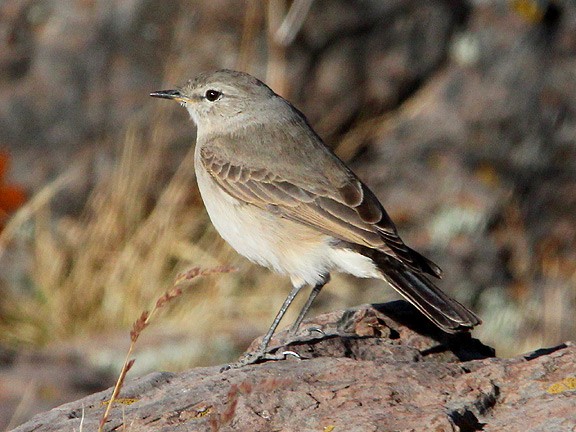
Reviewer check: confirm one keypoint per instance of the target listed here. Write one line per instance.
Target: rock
(36, 380)
(372, 368)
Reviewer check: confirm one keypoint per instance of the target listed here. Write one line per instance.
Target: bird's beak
(170, 94)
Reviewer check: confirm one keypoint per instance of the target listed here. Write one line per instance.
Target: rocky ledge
(372, 368)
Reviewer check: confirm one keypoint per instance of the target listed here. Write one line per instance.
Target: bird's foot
(303, 334)
(259, 356)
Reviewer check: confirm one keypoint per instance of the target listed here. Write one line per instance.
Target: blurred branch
(276, 70)
(251, 26)
(292, 22)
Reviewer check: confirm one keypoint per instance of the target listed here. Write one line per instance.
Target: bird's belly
(280, 244)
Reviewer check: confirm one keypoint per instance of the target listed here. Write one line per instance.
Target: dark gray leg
(313, 294)
(279, 316)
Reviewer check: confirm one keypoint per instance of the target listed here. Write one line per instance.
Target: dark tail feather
(424, 264)
(446, 313)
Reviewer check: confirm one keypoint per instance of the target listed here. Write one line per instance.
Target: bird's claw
(260, 357)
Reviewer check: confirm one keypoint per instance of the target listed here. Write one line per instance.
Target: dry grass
(96, 273)
(144, 321)
(140, 227)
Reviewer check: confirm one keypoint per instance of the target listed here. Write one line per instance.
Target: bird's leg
(260, 353)
(279, 316)
(313, 294)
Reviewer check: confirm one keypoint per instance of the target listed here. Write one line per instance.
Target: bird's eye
(212, 95)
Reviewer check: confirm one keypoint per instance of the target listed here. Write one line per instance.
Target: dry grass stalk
(144, 321)
(293, 22)
(39, 201)
(276, 70)
(251, 26)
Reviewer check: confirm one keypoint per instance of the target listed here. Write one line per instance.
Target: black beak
(167, 94)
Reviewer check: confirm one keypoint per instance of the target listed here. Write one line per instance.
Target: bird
(281, 198)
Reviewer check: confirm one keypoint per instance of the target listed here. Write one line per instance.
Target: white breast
(266, 239)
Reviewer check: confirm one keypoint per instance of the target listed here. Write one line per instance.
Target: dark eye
(212, 95)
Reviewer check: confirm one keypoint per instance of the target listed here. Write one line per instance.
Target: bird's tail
(445, 312)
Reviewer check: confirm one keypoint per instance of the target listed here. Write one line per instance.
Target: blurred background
(460, 115)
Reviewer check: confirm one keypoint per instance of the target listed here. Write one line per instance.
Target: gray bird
(284, 200)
